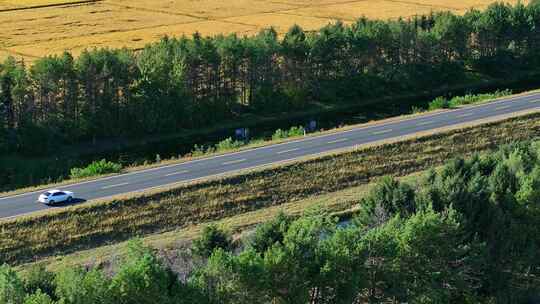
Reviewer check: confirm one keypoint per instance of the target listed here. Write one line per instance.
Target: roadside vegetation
(229, 144)
(109, 95)
(445, 103)
(96, 168)
(466, 233)
(94, 224)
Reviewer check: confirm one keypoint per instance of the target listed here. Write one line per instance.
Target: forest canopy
(189, 83)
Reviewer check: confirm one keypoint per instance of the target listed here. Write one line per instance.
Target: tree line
(189, 83)
(465, 233)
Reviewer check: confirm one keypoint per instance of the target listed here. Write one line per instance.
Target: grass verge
(341, 203)
(105, 222)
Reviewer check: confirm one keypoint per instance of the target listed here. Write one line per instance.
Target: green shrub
(11, 286)
(439, 103)
(96, 168)
(38, 278)
(279, 134)
(296, 131)
(212, 237)
(38, 298)
(197, 151)
(228, 144)
(292, 132)
(269, 233)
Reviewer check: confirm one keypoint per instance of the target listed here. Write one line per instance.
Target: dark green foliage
(181, 83)
(270, 233)
(143, 279)
(212, 237)
(11, 286)
(39, 279)
(386, 199)
(492, 196)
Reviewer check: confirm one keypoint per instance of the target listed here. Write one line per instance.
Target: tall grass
(90, 225)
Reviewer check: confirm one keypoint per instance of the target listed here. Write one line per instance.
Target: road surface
(143, 180)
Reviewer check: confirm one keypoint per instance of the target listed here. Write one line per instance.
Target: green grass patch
(99, 167)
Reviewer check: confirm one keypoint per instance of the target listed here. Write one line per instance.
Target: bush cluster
(96, 168)
(292, 132)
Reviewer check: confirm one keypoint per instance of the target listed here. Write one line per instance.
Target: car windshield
(47, 193)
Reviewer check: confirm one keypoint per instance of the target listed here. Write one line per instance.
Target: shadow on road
(75, 201)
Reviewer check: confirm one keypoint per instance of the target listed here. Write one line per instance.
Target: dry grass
(339, 203)
(336, 202)
(102, 222)
(20, 4)
(36, 32)
(207, 9)
(373, 9)
(79, 21)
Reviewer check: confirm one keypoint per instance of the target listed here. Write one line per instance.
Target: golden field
(30, 32)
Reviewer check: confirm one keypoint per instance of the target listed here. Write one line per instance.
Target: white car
(54, 196)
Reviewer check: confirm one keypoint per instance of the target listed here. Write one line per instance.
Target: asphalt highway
(143, 180)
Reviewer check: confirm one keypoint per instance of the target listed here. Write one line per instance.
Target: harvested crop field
(31, 29)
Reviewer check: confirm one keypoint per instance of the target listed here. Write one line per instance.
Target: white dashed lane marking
(337, 140)
(113, 186)
(382, 132)
(425, 123)
(465, 115)
(287, 151)
(234, 161)
(177, 173)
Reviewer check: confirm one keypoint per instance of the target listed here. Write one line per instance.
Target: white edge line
(525, 97)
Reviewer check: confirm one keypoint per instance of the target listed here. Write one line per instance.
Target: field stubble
(36, 32)
(103, 222)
